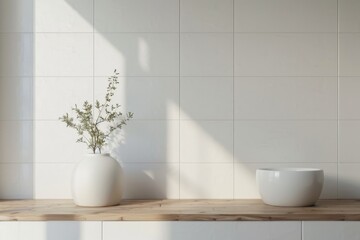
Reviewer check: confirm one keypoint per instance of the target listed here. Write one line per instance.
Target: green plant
(88, 125)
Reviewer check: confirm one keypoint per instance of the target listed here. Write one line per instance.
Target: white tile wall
(214, 103)
(16, 98)
(349, 18)
(285, 141)
(290, 54)
(52, 180)
(16, 141)
(16, 180)
(349, 140)
(55, 143)
(63, 16)
(148, 141)
(151, 180)
(16, 53)
(54, 96)
(206, 54)
(285, 16)
(349, 54)
(137, 16)
(206, 141)
(213, 85)
(348, 178)
(206, 180)
(206, 16)
(16, 16)
(59, 54)
(349, 88)
(137, 54)
(285, 97)
(160, 95)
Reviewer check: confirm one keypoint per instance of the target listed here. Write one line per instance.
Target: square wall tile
(206, 16)
(349, 98)
(54, 137)
(206, 141)
(146, 97)
(63, 16)
(59, 230)
(349, 54)
(206, 98)
(206, 180)
(245, 178)
(147, 141)
(55, 96)
(137, 16)
(151, 181)
(16, 98)
(349, 18)
(349, 141)
(137, 54)
(16, 54)
(280, 54)
(16, 181)
(286, 16)
(53, 180)
(349, 180)
(15, 16)
(285, 97)
(331, 230)
(16, 141)
(285, 141)
(64, 54)
(206, 54)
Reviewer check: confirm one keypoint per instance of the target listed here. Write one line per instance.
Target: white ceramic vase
(97, 181)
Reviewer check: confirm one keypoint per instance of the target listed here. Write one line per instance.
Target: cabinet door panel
(64, 230)
(202, 230)
(331, 230)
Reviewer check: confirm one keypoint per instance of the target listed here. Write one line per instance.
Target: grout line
(33, 124)
(179, 166)
(102, 230)
(338, 99)
(173, 76)
(233, 120)
(185, 32)
(196, 120)
(93, 77)
(155, 32)
(302, 230)
(190, 163)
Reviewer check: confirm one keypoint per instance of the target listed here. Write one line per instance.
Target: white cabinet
(9, 231)
(51, 230)
(167, 230)
(201, 230)
(331, 230)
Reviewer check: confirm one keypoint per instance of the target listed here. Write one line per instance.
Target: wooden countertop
(177, 210)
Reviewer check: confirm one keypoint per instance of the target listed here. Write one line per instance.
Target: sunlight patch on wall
(144, 54)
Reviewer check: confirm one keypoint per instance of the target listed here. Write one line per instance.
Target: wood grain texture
(178, 210)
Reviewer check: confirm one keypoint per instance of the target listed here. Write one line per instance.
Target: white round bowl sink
(290, 187)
